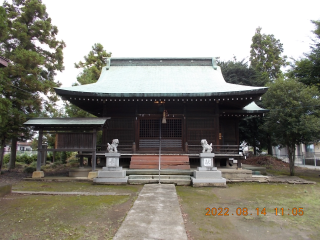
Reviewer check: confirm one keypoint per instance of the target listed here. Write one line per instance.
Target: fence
(308, 158)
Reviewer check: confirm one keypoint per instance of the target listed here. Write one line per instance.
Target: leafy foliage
(3, 24)
(92, 67)
(294, 114)
(35, 55)
(265, 55)
(307, 70)
(239, 72)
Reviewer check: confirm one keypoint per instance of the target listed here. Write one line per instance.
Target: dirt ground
(266, 161)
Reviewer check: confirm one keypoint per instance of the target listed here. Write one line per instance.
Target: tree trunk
(3, 141)
(291, 155)
(13, 154)
(254, 147)
(269, 144)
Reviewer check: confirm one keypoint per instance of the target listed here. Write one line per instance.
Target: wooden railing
(123, 148)
(218, 149)
(190, 149)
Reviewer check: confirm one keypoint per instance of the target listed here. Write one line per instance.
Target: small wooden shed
(73, 134)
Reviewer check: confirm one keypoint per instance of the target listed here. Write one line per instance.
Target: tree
(307, 70)
(92, 65)
(294, 114)
(91, 72)
(3, 24)
(4, 103)
(35, 55)
(265, 55)
(239, 72)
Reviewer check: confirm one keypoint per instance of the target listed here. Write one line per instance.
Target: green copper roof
(66, 122)
(253, 108)
(187, 77)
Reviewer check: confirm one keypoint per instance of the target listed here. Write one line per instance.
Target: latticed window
(200, 128)
(120, 128)
(150, 128)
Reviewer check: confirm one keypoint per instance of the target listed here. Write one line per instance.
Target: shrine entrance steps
(180, 180)
(167, 162)
(145, 176)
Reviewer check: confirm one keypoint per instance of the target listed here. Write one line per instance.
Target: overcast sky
(178, 28)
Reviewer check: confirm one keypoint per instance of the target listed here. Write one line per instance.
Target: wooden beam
(39, 150)
(94, 144)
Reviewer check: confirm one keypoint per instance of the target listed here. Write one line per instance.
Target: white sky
(178, 28)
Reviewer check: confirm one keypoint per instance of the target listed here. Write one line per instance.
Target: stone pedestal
(207, 174)
(112, 173)
(38, 174)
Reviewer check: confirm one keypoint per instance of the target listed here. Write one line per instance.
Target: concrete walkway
(155, 215)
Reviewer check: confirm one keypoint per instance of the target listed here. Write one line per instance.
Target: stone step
(185, 177)
(179, 182)
(166, 179)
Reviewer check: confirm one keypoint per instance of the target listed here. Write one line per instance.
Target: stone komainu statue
(206, 148)
(112, 148)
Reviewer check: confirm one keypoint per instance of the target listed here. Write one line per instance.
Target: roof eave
(66, 93)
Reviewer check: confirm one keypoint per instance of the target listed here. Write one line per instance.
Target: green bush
(25, 158)
(57, 163)
(29, 169)
(33, 165)
(6, 158)
(59, 156)
(20, 165)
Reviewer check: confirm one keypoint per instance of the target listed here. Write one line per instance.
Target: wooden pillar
(104, 129)
(94, 144)
(184, 129)
(80, 160)
(237, 131)
(44, 154)
(39, 150)
(216, 123)
(239, 163)
(136, 128)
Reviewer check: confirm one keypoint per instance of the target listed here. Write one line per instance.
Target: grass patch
(74, 187)
(255, 225)
(64, 217)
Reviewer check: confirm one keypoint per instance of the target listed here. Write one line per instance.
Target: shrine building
(172, 101)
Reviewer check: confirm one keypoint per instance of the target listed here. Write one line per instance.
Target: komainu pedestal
(207, 174)
(112, 173)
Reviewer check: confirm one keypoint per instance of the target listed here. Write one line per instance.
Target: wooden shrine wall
(199, 120)
(229, 131)
(200, 128)
(74, 140)
(120, 128)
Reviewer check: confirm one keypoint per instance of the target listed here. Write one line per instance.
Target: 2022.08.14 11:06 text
(245, 212)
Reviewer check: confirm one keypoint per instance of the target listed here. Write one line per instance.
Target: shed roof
(66, 122)
(155, 77)
(3, 62)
